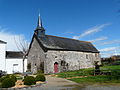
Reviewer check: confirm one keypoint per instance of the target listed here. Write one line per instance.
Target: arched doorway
(55, 67)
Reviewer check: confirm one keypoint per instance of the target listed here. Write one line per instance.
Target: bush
(40, 77)
(8, 82)
(40, 72)
(29, 80)
(4, 77)
(0, 85)
(13, 78)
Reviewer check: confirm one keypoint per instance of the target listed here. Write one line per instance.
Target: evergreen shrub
(4, 77)
(13, 78)
(8, 82)
(29, 80)
(40, 77)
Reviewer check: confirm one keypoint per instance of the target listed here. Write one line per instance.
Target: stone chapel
(53, 54)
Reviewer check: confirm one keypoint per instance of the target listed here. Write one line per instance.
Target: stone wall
(73, 60)
(67, 60)
(36, 56)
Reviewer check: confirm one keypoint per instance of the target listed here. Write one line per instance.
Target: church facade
(53, 54)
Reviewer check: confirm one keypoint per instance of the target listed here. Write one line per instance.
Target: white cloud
(109, 49)
(91, 31)
(108, 42)
(108, 52)
(11, 39)
(98, 39)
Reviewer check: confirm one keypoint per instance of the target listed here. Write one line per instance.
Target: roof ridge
(70, 38)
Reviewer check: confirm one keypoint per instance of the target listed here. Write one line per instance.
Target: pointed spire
(40, 31)
(39, 25)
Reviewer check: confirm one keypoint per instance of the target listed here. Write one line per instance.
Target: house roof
(2, 42)
(50, 42)
(14, 54)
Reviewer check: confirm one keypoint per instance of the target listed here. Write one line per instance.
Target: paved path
(53, 83)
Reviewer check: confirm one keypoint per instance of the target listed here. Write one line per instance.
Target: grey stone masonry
(74, 60)
(36, 56)
(67, 60)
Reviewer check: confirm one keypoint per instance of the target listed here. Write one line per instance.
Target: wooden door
(55, 67)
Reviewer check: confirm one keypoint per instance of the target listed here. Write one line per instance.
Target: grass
(81, 72)
(90, 79)
(114, 78)
(114, 67)
(19, 78)
(94, 79)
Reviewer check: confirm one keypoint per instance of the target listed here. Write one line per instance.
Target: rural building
(11, 61)
(14, 62)
(53, 54)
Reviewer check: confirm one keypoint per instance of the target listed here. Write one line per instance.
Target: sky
(97, 21)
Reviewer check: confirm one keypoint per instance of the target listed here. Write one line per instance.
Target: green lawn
(114, 78)
(114, 67)
(81, 72)
(94, 79)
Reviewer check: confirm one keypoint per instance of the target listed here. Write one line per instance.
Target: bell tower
(40, 31)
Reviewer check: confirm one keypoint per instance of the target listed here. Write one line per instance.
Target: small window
(86, 56)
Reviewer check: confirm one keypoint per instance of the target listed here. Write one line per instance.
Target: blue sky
(97, 21)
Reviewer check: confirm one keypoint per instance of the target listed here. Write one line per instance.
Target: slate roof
(50, 42)
(2, 42)
(14, 54)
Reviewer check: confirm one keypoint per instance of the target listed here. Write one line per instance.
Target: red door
(55, 67)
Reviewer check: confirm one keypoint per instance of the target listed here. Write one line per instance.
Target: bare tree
(22, 45)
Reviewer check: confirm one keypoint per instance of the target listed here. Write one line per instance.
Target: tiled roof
(14, 54)
(50, 42)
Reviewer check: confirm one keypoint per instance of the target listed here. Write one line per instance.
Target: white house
(14, 62)
(11, 61)
(2, 55)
